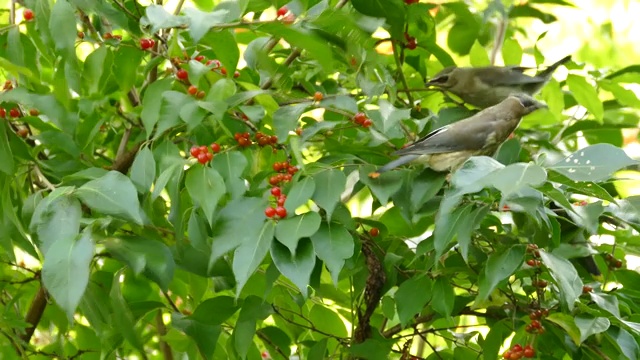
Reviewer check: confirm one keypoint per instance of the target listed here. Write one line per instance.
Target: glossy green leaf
(65, 271)
(112, 194)
(412, 296)
(159, 18)
(56, 217)
(206, 187)
(593, 163)
(298, 267)
(590, 326)
(568, 324)
(499, 267)
(248, 256)
(285, 119)
(333, 244)
(586, 95)
(290, 230)
(300, 193)
(143, 170)
(7, 163)
(566, 276)
(330, 184)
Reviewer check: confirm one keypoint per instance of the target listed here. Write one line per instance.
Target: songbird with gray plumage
(448, 147)
(487, 86)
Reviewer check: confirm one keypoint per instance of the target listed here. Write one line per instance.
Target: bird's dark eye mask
(439, 80)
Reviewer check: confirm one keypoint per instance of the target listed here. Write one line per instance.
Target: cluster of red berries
(277, 211)
(362, 120)
(147, 44)
(285, 15)
(517, 352)
(193, 90)
(243, 139)
(285, 172)
(264, 139)
(613, 262)
(411, 42)
(202, 152)
(27, 14)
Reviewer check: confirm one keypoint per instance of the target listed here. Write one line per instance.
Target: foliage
(125, 232)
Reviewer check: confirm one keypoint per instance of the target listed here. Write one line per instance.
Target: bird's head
(528, 103)
(445, 79)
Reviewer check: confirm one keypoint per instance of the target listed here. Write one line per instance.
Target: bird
(448, 147)
(487, 86)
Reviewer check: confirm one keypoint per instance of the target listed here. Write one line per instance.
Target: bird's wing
(508, 76)
(460, 136)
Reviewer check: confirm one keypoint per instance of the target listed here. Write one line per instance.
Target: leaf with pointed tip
(499, 267)
(231, 165)
(249, 255)
(566, 276)
(593, 163)
(411, 297)
(143, 170)
(299, 194)
(112, 194)
(200, 22)
(333, 244)
(206, 187)
(298, 267)
(292, 229)
(331, 184)
(384, 186)
(590, 326)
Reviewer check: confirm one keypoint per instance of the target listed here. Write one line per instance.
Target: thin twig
(162, 331)
(499, 40)
(173, 305)
(43, 178)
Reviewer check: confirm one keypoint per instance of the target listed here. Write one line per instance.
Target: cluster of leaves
(118, 241)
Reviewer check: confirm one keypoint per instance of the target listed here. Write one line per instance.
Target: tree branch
(34, 314)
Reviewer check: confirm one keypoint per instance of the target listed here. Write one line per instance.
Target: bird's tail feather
(554, 66)
(405, 159)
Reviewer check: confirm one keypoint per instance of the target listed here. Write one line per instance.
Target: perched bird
(450, 146)
(487, 86)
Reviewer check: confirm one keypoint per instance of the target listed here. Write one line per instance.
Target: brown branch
(34, 314)
(398, 328)
(173, 305)
(162, 331)
(124, 162)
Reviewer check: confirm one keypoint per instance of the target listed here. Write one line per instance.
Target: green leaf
(285, 119)
(290, 230)
(248, 256)
(56, 217)
(122, 319)
(566, 276)
(590, 326)
(143, 170)
(216, 310)
(170, 110)
(127, 59)
(333, 244)
(7, 163)
(298, 267)
(112, 194)
(330, 185)
(412, 296)
(625, 341)
(152, 102)
(499, 267)
(149, 257)
(511, 52)
(159, 18)
(231, 165)
(382, 187)
(478, 55)
(63, 24)
(447, 225)
(607, 302)
(253, 309)
(443, 297)
(327, 321)
(65, 271)
(278, 340)
(239, 222)
(586, 95)
(317, 48)
(391, 10)
(299, 194)
(205, 336)
(226, 48)
(593, 163)
(516, 177)
(206, 187)
(567, 323)
(200, 22)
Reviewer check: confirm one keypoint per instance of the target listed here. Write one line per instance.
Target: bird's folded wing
(507, 77)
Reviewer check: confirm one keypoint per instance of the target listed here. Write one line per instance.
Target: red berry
(201, 94)
(507, 355)
(14, 112)
(107, 36)
(27, 14)
(215, 63)
(536, 324)
(299, 131)
(223, 71)
(367, 123)
(282, 11)
(281, 199)
(281, 212)
(215, 147)
(617, 264)
(3, 113)
(516, 348)
(275, 191)
(80, 35)
(146, 44)
(192, 90)
(203, 158)
(587, 289)
(529, 352)
(209, 156)
(182, 74)
(203, 149)
(236, 74)
(318, 96)
(194, 151)
(359, 118)
(274, 180)
(374, 232)
(287, 177)
(199, 58)
(277, 166)
(23, 132)
(531, 262)
(270, 212)
(292, 170)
